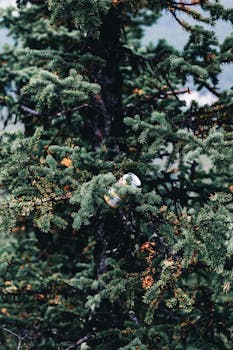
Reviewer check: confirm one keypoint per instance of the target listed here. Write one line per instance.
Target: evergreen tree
(113, 233)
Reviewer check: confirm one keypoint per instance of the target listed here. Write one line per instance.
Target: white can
(113, 199)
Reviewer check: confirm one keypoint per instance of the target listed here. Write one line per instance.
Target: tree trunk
(107, 106)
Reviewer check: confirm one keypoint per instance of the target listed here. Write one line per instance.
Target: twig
(19, 344)
(102, 264)
(176, 92)
(79, 342)
(30, 111)
(57, 114)
(183, 24)
(10, 332)
(36, 113)
(133, 317)
(173, 91)
(20, 338)
(192, 3)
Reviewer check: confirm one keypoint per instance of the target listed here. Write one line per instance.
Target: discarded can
(113, 199)
(129, 179)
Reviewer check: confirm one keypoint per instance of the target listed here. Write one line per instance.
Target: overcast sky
(4, 3)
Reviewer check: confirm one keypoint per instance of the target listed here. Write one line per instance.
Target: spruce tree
(113, 233)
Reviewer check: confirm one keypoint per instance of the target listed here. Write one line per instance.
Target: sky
(4, 3)
(167, 28)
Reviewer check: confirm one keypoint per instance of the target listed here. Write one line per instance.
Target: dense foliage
(154, 273)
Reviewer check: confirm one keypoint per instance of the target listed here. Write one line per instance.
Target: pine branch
(173, 91)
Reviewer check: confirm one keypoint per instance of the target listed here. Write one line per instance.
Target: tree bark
(108, 116)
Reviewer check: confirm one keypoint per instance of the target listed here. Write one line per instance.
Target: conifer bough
(156, 272)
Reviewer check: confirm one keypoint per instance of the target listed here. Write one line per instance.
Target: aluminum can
(113, 199)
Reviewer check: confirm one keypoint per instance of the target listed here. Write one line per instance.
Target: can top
(133, 179)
